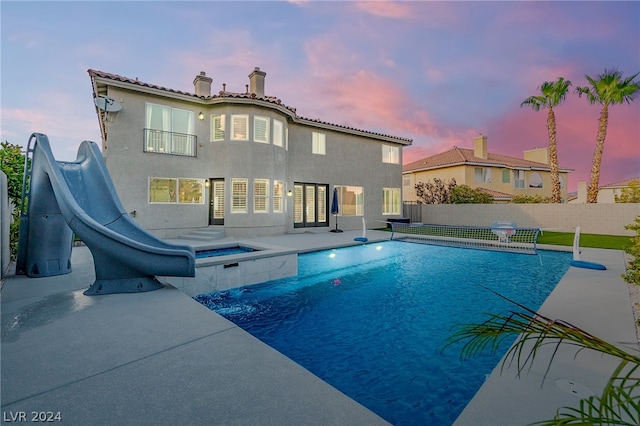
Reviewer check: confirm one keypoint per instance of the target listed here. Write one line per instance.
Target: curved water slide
(63, 198)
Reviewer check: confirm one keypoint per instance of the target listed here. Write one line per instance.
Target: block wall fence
(609, 219)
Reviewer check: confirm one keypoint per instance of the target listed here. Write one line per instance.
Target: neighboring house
(606, 193)
(242, 161)
(500, 176)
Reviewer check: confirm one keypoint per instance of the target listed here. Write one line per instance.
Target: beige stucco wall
(605, 195)
(607, 219)
(465, 175)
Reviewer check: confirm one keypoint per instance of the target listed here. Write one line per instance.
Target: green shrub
(632, 274)
(530, 199)
(630, 194)
(464, 194)
(12, 164)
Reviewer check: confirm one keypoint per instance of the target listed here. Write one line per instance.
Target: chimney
(480, 146)
(582, 192)
(256, 82)
(539, 155)
(202, 84)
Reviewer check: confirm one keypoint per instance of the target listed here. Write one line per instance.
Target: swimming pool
(371, 319)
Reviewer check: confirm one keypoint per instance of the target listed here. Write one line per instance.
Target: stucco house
(500, 176)
(606, 193)
(241, 161)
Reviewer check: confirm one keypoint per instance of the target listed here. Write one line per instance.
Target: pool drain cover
(574, 388)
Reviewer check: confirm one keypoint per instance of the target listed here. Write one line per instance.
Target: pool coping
(596, 301)
(261, 250)
(126, 358)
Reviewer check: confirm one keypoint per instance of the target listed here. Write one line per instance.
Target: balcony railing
(161, 142)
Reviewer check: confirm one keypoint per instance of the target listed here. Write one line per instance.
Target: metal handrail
(173, 143)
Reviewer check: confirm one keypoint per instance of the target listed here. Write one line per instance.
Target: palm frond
(619, 403)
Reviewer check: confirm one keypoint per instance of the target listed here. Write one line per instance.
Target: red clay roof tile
(460, 156)
(224, 94)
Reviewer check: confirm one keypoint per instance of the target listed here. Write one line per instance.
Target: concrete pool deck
(162, 358)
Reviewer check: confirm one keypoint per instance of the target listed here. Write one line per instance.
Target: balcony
(162, 142)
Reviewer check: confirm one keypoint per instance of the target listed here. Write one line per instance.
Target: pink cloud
(523, 129)
(386, 9)
(60, 117)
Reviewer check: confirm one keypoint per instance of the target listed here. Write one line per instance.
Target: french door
(216, 201)
(310, 205)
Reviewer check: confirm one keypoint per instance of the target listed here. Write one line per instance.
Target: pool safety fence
(500, 236)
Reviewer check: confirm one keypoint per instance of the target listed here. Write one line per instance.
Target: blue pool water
(223, 251)
(371, 320)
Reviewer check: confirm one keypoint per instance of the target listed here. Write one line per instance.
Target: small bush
(630, 194)
(530, 199)
(436, 192)
(464, 194)
(12, 161)
(632, 274)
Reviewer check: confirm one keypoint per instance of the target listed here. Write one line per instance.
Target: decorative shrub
(633, 267)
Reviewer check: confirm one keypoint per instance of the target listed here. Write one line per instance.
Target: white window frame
(359, 202)
(278, 139)
(239, 197)
(261, 136)
(391, 201)
(390, 154)
(484, 176)
(218, 127)
(176, 193)
(519, 179)
(261, 195)
(171, 141)
(532, 179)
(238, 121)
(318, 143)
(278, 196)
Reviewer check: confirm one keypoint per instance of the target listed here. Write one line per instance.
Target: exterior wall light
(201, 116)
(289, 193)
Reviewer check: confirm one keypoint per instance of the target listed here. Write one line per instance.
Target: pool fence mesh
(500, 236)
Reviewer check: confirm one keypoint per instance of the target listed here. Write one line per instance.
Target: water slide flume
(63, 198)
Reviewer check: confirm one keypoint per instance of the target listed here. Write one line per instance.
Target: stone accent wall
(607, 219)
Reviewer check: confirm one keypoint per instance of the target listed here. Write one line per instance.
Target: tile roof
(496, 194)
(221, 94)
(465, 156)
(224, 94)
(621, 184)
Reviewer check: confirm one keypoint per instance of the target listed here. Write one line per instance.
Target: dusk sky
(436, 72)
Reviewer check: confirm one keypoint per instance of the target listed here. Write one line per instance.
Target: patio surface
(162, 358)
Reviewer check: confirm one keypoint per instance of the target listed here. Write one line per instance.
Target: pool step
(205, 234)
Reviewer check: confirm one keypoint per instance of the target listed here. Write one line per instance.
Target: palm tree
(619, 402)
(553, 93)
(609, 89)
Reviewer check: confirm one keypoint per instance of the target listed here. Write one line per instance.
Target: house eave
(353, 131)
(482, 164)
(101, 83)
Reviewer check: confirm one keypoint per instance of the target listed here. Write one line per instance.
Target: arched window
(535, 180)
